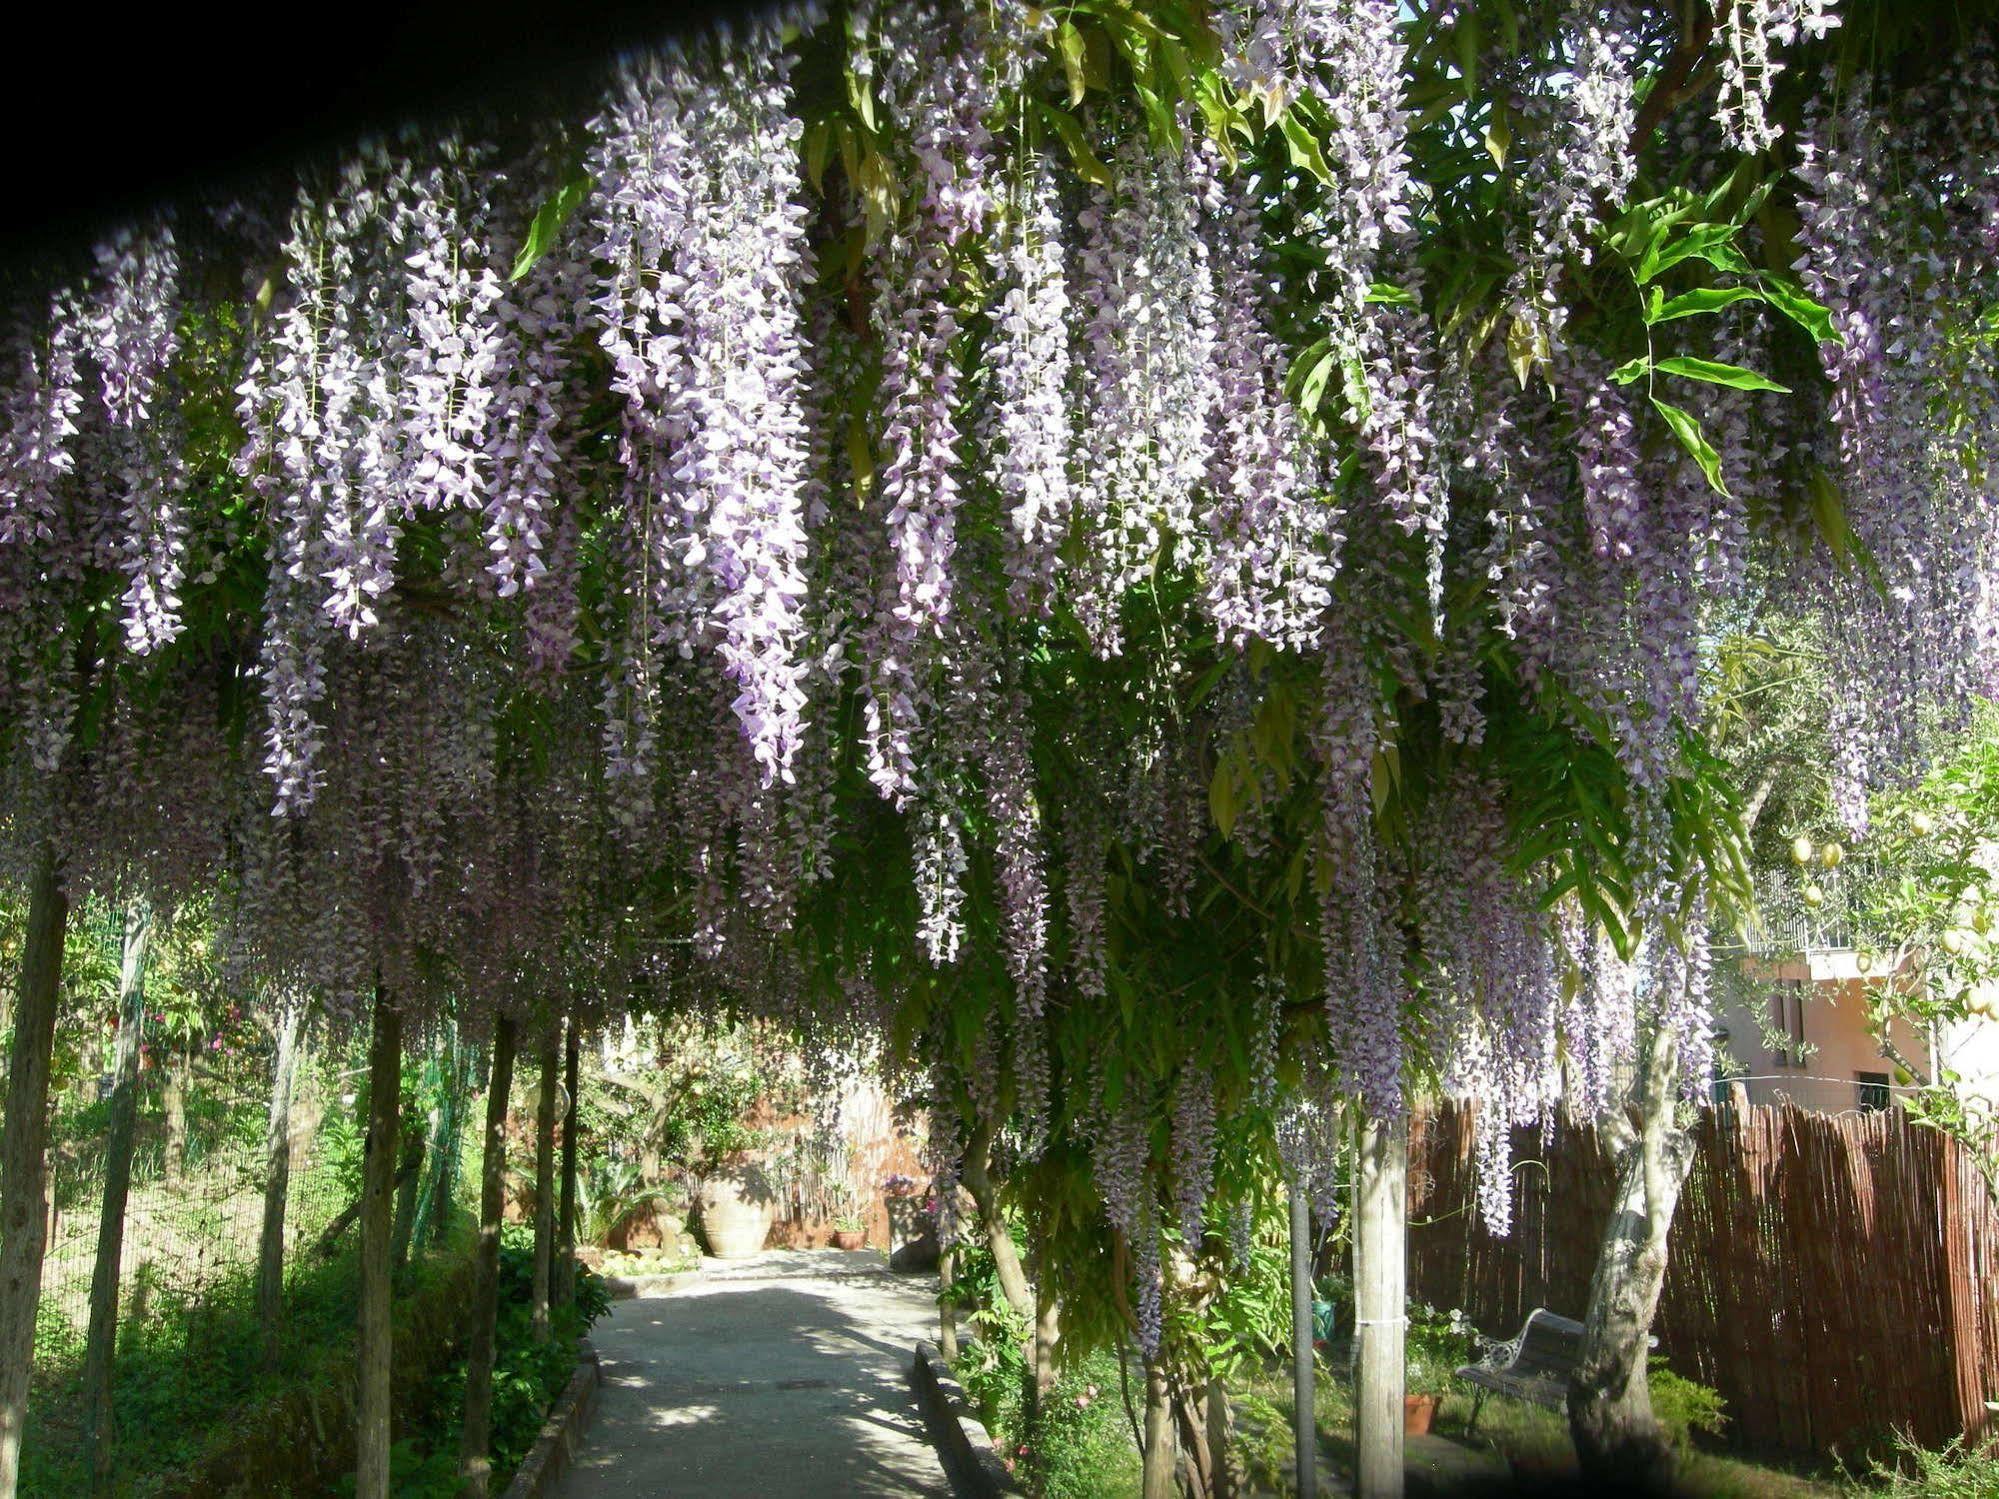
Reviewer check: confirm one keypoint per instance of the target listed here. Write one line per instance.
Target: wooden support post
(385, 1091)
(277, 1178)
(1380, 1309)
(544, 1180)
(101, 1343)
(565, 1237)
(1304, 1417)
(23, 1148)
(475, 1464)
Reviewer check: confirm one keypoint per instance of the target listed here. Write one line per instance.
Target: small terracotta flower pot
(849, 1238)
(1418, 1411)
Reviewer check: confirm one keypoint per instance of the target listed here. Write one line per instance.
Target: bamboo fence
(1834, 1276)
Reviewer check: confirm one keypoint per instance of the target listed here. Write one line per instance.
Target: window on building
(1873, 1087)
(1787, 1023)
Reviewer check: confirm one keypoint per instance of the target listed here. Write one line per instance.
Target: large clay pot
(736, 1205)
(1418, 1411)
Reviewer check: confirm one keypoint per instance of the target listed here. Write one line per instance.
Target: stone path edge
(561, 1432)
(974, 1466)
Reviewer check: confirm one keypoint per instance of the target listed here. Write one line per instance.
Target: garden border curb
(562, 1432)
(966, 1446)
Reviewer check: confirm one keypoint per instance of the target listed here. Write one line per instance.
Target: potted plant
(850, 1231)
(1434, 1349)
(849, 1223)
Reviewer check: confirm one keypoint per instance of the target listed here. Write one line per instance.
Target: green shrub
(1683, 1407)
(1955, 1471)
(1080, 1444)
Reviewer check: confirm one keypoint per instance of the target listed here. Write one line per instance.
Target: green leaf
(860, 457)
(1306, 154)
(1713, 243)
(1814, 317)
(547, 225)
(1392, 296)
(1706, 299)
(1309, 376)
(1070, 129)
(1069, 43)
(1716, 373)
(1695, 442)
(1631, 369)
(863, 99)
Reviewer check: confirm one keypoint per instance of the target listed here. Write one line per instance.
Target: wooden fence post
(100, 1345)
(385, 1094)
(475, 1464)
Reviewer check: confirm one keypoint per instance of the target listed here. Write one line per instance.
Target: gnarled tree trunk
(975, 1173)
(1618, 1442)
(385, 1089)
(277, 1178)
(544, 1181)
(101, 1343)
(947, 1309)
(1156, 1480)
(23, 1150)
(475, 1464)
(1047, 1330)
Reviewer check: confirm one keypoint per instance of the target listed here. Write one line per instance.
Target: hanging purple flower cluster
(1145, 378)
(1271, 538)
(1751, 31)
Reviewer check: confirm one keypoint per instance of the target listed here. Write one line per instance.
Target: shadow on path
(784, 1374)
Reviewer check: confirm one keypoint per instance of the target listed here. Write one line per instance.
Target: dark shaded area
(112, 112)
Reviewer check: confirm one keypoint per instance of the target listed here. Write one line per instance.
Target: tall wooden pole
(565, 1236)
(1304, 1419)
(1380, 1312)
(277, 1178)
(100, 1344)
(385, 1090)
(475, 1464)
(544, 1181)
(23, 1148)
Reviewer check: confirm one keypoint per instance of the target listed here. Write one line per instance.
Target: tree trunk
(947, 1309)
(408, 1189)
(173, 1099)
(544, 1182)
(1156, 1475)
(474, 1461)
(1196, 1463)
(565, 1230)
(385, 1089)
(277, 1179)
(1221, 1445)
(23, 1150)
(102, 1342)
(1618, 1443)
(973, 1172)
(1304, 1372)
(1380, 1265)
(1047, 1329)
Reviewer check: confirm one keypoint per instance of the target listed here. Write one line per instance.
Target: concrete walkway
(779, 1375)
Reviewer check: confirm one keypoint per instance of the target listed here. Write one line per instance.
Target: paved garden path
(779, 1375)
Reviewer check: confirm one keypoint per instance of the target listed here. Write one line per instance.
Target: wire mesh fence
(193, 1222)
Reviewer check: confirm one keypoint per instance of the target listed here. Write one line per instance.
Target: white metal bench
(1534, 1366)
